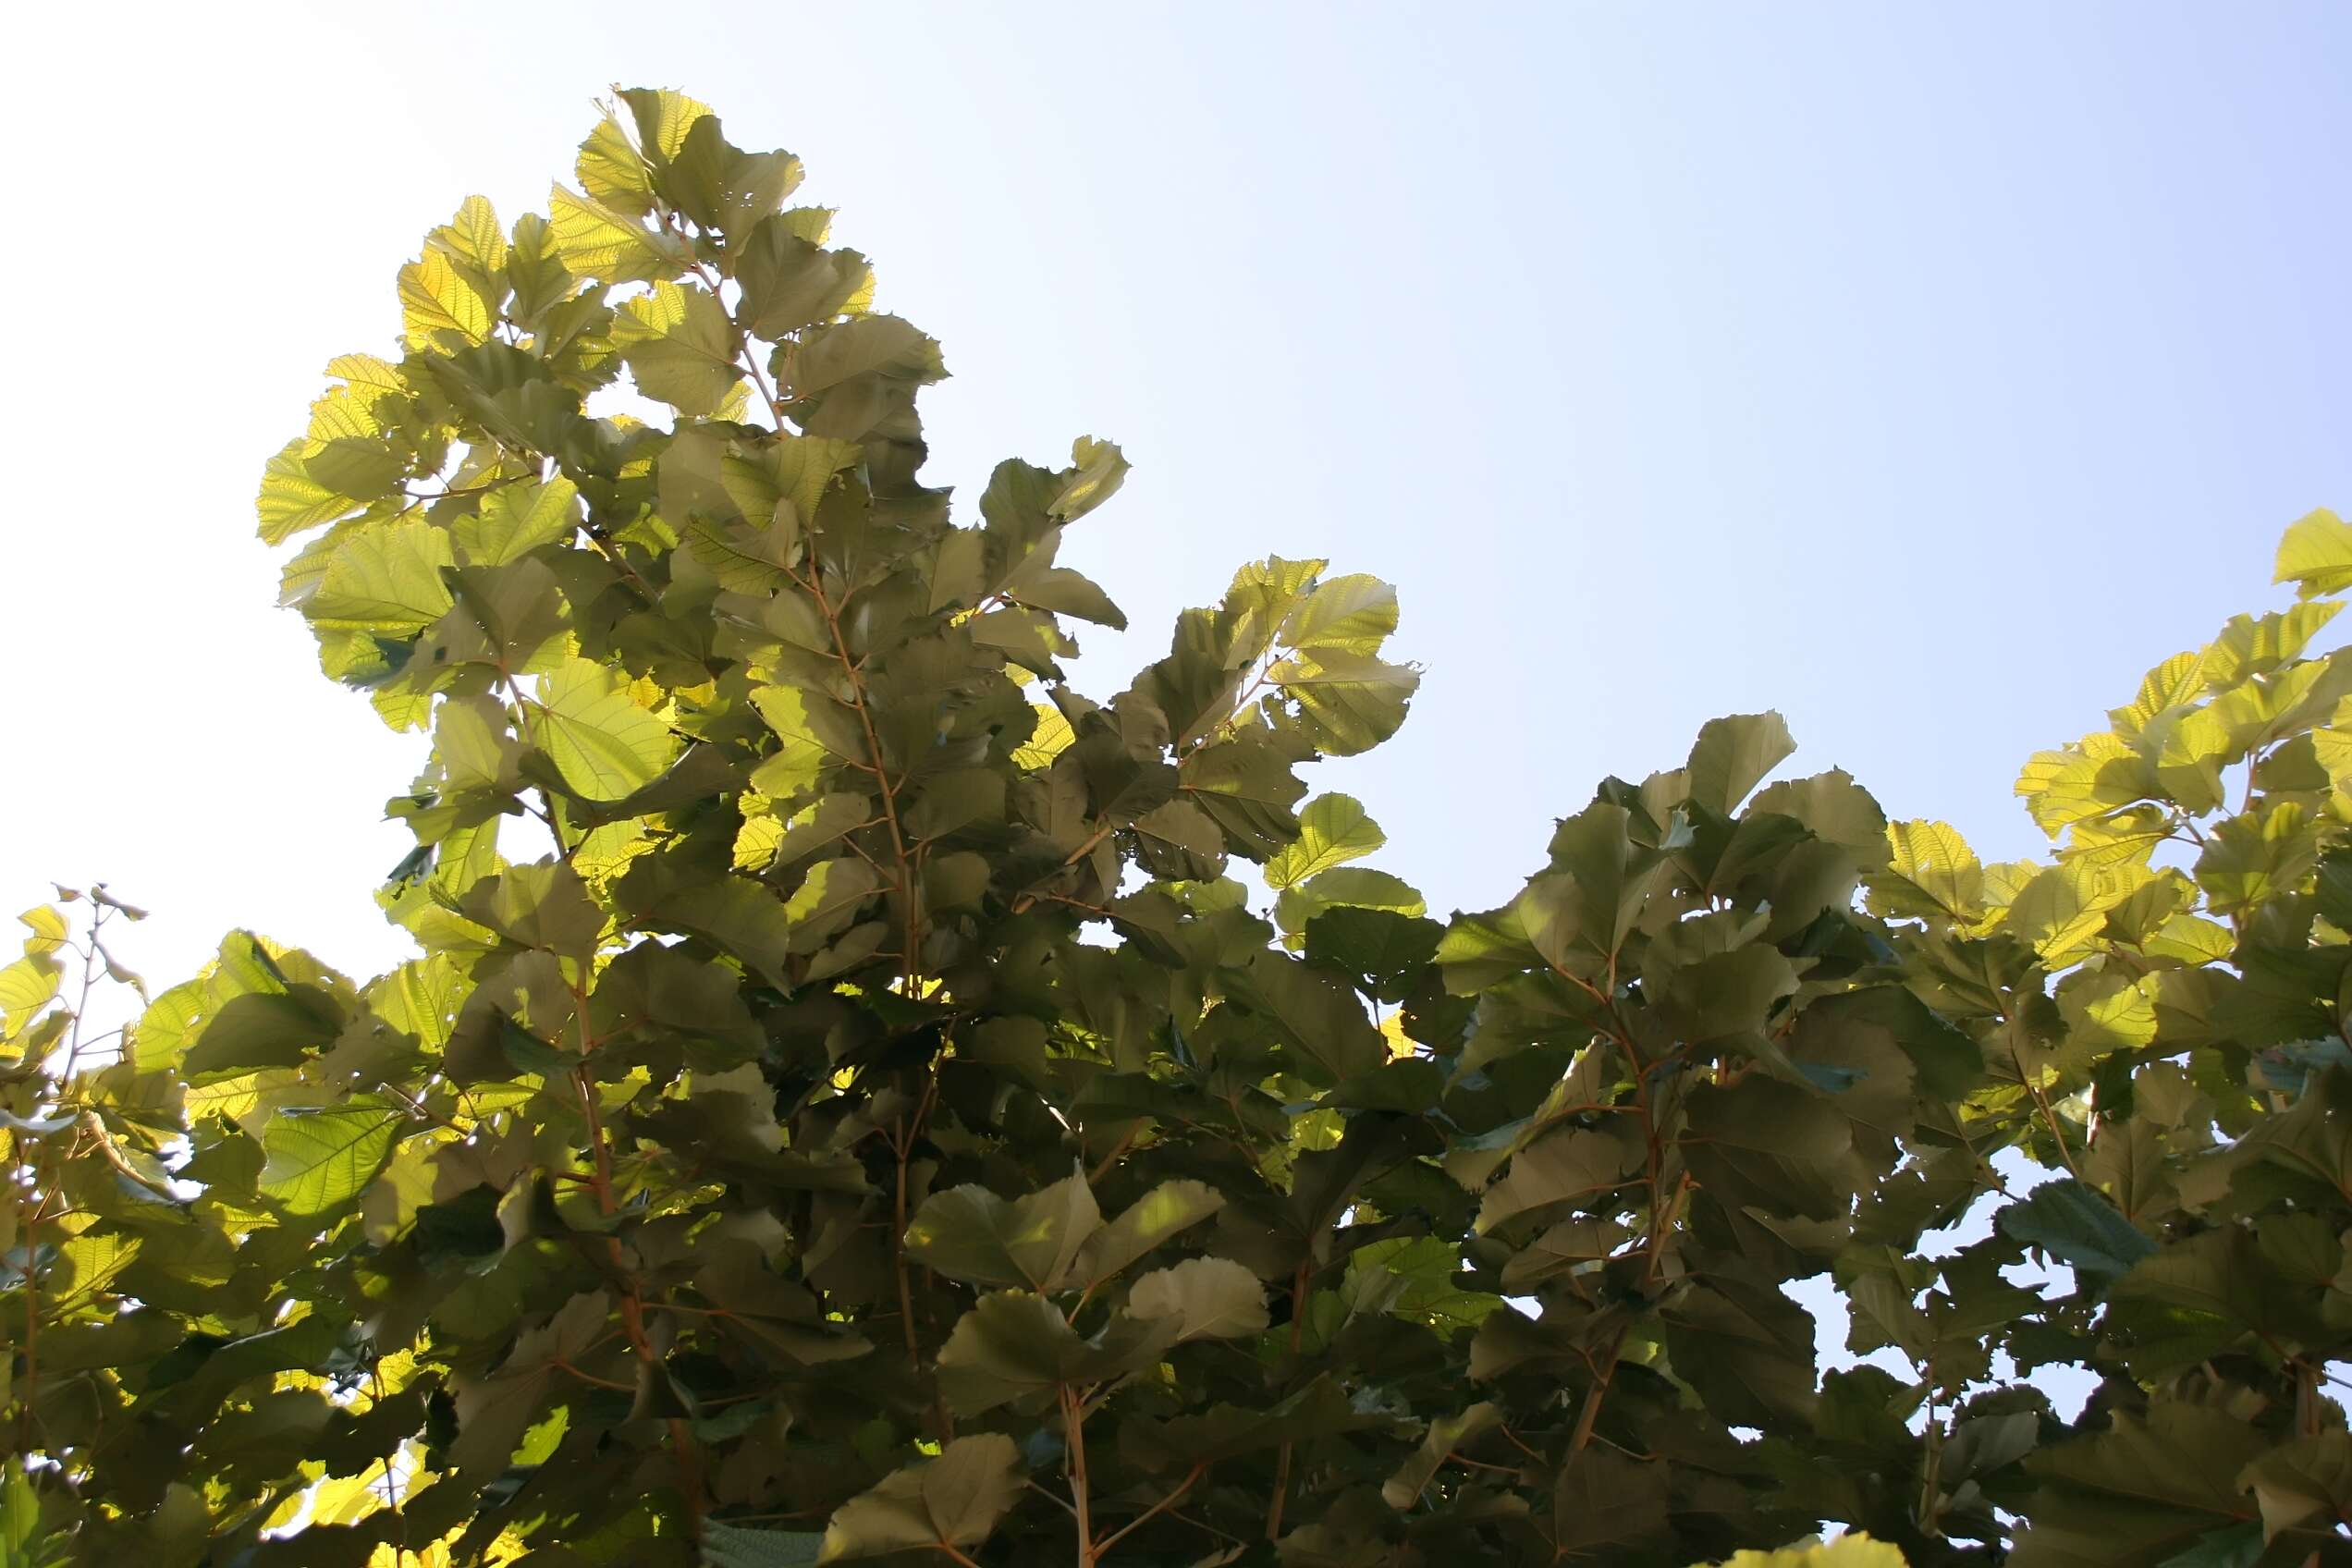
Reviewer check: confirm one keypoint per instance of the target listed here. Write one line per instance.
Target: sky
(1925, 373)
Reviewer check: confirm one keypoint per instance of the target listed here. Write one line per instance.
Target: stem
(1164, 1504)
(1283, 1465)
(1590, 1414)
(901, 1144)
(2033, 1087)
(632, 1306)
(31, 1382)
(910, 955)
(1931, 1478)
(1073, 1424)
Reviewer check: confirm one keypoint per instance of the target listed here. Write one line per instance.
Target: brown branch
(1073, 1425)
(1283, 1465)
(1169, 1501)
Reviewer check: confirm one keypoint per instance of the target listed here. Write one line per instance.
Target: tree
(848, 1104)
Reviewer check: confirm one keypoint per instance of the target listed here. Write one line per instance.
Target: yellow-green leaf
(321, 1157)
(1353, 614)
(2316, 555)
(385, 576)
(1049, 741)
(603, 745)
(680, 346)
(518, 519)
(1334, 830)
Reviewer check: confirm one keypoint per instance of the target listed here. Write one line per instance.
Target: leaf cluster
(850, 1101)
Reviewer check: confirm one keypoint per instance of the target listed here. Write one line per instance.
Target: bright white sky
(1927, 372)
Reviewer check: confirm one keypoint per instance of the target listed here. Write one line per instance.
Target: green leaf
(1348, 615)
(1348, 703)
(386, 577)
(680, 346)
(516, 520)
(734, 1546)
(1164, 1212)
(2075, 1224)
(604, 745)
(790, 282)
(2250, 859)
(1934, 874)
(1404, 1489)
(1732, 756)
(322, 1158)
(969, 1234)
(1334, 830)
(953, 1500)
(1204, 1297)
(2139, 1492)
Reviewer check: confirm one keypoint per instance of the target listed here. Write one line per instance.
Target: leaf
(969, 1234)
(2139, 1492)
(1564, 1167)
(1010, 1345)
(517, 518)
(790, 282)
(1349, 702)
(322, 1158)
(1770, 1145)
(1205, 1298)
(734, 1546)
(604, 745)
(386, 577)
(593, 240)
(1164, 1212)
(1334, 830)
(2249, 860)
(1846, 1551)
(680, 346)
(494, 1413)
(1940, 874)
(1446, 1433)
(953, 1500)
(2075, 1224)
(1048, 740)
(1732, 756)
(2315, 555)
(1348, 615)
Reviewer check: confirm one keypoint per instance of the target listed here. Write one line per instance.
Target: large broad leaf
(1349, 702)
(1165, 1211)
(602, 743)
(680, 346)
(1016, 1346)
(1350, 615)
(1446, 1433)
(1334, 830)
(1732, 756)
(2142, 1492)
(953, 1500)
(1204, 1297)
(2075, 1224)
(969, 1234)
(2316, 555)
(386, 578)
(516, 520)
(322, 1158)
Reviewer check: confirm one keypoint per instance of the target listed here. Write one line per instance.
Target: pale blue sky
(1924, 372)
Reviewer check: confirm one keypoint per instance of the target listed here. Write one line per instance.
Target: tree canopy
(859, 1098)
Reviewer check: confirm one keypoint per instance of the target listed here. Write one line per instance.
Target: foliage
(847, 1106)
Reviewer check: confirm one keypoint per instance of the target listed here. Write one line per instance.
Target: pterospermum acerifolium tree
(858, 1098)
